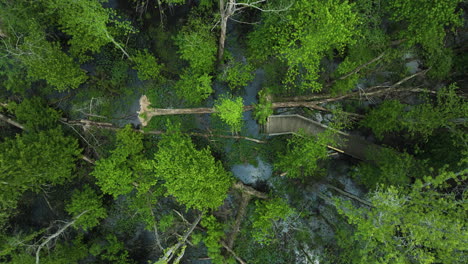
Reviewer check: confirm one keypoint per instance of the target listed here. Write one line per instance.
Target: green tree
(31, 160)
(425, 24)
(193, 88)
(237, 74)
(86, 200)
(147, 66)
(230, 110)
(27, 47)
(126, 167)
(112, 251)
(391, 168)
(425, 223)
(192, 176)
(301, 36)
(266, 214)
(214, 233)
(447, 111)
(197, 45)
(303, 153)
(72, 251)
(90, 25)
(46, 61)
(264, 108)
(34, 115)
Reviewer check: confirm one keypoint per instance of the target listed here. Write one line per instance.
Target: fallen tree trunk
(374, 90)
(240, 216)
(87, 123)
(247, 194)
(146, 112)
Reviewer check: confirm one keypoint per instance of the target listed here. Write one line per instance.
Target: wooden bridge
(348, 144)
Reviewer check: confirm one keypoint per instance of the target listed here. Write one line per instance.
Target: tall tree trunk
(225, 10)
(222, 38)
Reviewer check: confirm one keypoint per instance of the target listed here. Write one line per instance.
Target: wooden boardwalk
(348, 144)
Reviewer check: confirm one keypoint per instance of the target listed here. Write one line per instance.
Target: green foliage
(367, 48)
(264, 108)
(126, 167)
(90, 25)
(31, 160)
(166, 222)
(118, 74)
(301, 38)
(113, 251)
(423, 224)
(89, 202)
(214, 233)
(140, 205)
(147, 66)
(9, 244)
(369, 44)
(303, 153)
(444, 151)
(194, 88)
(425, 20)
(230, 111)
(237, 74)
(426, 23)
(425, 118)
(440, 61)
(13, 75)
(34, 115)
(266, 214)
(67, 252)
(385, 118)
(192, 176)
(48, 62)
(422, 119)
(27, 48)
(197, 45)
(391, 168)
(175, 2)
(111, 74)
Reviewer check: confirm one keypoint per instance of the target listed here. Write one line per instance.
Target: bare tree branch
(11, 122)
(362, 66)
(233, 253)
(170, 253)
(56, 234)
(350, 195)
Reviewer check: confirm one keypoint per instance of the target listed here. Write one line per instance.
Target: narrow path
(347, 144)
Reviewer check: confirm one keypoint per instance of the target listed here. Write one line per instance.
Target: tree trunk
(222, 38)
(226, 10)
(240, 215)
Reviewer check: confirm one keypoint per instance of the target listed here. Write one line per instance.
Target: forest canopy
(233, 131)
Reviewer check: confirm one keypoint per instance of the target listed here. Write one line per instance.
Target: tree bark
(222, 38)
(249, 190)
(240, 215)
(226, 10)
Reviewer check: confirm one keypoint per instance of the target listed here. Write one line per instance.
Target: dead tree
(48, 239)
(228, 8)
